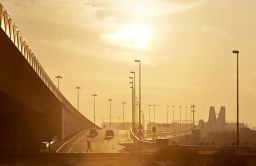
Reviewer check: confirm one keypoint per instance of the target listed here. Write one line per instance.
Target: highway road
(99, 144)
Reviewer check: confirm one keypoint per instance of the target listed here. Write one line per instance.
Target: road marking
(99, 143)
(57, 151)
(75, 144)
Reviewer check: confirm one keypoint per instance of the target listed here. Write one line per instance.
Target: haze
(185, 48)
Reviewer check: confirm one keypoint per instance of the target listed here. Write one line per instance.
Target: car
(109, 134)
(93, 132)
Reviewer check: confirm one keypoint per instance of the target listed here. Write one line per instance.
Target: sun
(135, 36)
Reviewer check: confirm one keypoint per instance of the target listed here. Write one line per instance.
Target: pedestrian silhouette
(89, 148)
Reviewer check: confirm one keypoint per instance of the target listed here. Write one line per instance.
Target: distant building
(221, 120)
(216, 123)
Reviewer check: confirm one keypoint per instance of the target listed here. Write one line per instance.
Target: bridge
(32, 109)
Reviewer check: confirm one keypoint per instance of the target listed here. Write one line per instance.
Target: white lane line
(75, 144)
(58, 150)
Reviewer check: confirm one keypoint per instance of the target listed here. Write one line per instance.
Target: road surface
(99, 144)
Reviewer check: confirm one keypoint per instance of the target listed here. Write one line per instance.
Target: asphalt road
(99, 144)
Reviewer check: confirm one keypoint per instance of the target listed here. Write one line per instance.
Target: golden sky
(185, 47)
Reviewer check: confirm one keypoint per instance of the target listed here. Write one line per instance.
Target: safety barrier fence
(136, 139)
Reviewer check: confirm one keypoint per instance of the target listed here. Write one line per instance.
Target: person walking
(89, 148)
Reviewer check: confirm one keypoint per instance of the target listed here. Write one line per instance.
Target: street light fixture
(123, 113)
(149, 113)
(237, 98)
(154, 115)
(186, 114)
(133, 104)
(193, 112)
(167, 112)
(180, 114)
(58, 78)
(134, 96)
(110, 112)
(94, 95)
(138, 61)
(78, 88)
(173, 113)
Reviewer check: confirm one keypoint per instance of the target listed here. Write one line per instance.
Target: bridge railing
(137, 140)
(14, 34)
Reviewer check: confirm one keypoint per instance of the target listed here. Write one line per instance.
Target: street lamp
(136, 106)
(58, 78)
(173, 113)
(193, 112)
(154, 115)
(134, 94)
(186, 114)
(110, 112)
(180, 114)
(78, 88)
(149, 113)
(142, 119)
(94, 95)
(190, 115)
(139, 97)
(123, 113)
(133, 104)
(167, 112)
(134, 79)
(237, 98)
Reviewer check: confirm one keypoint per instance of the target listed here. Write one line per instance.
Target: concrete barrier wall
(29, 111)
(74, 124)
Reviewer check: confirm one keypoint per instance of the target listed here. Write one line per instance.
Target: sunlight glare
(131, 36)
(138, 34)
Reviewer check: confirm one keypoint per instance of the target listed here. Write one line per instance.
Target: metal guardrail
(136, 139)
(14, 34)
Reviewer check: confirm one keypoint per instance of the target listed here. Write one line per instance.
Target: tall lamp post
(94, 95)
(193, 112)
(123, 113)
(139, 97)
(110, 112)
(149, 113)
(173, 113)
(78, 88)
(58, 78)
(167, 116)
(134, 96)
(133, 104)
(190, 115)
(180, 114)
(154, 115)
(186, 114)
(237, 98)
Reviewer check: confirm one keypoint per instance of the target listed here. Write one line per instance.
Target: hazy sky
(185, 47)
